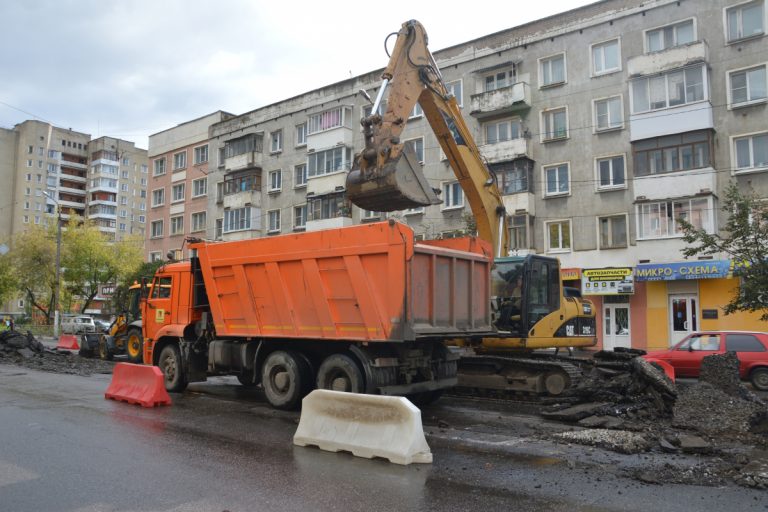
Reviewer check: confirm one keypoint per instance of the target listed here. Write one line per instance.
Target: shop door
(684, 317)
(616, 326)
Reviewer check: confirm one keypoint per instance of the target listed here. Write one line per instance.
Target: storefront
(612, 291)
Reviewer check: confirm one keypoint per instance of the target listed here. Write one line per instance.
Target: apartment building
(178, 186)
(603, 125)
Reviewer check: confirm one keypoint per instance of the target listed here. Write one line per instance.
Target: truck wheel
(759, 379)
(104, 353)
(339, 372)
(284, 377)
(173, 372)
(134, 346)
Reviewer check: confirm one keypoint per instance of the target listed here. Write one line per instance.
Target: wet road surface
(219, 447)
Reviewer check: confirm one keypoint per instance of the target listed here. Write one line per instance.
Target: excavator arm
(386, 175)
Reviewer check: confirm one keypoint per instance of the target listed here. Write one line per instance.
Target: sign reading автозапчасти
(686, 270)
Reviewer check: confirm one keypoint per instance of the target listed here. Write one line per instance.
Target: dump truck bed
(362, 283)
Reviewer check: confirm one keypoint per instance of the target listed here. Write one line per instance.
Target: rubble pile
(25, 350)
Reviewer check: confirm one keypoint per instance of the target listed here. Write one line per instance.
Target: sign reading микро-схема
(712, 269)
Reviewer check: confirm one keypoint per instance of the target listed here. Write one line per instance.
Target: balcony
(71, 190)
(506, 150)
(336, 222)
(66, 203)
(102, 187)
(675, 184)
(668, 121)
(327, 183)
(73, 165)
(244, 161)
(671, 58)
(522, 202)
(504, 101)
(102, 202)
(102, 215)
(241, 199)
(73, 177)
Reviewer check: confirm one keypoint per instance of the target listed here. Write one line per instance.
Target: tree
(9, 284)
(745, 240)
(33, 259)
(89, 259)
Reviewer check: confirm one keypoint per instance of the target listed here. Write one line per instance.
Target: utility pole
(56, 319)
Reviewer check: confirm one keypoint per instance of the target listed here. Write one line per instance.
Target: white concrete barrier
(366, 425)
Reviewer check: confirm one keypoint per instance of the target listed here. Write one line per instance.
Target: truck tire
(339, 372)
(105, 353)
(173, 371)
(134, 345)
(759, 379)
(286, 379)
(245, 377)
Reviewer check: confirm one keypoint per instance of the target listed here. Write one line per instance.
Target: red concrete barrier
(665, 366)
(68, 342)
(138, 384)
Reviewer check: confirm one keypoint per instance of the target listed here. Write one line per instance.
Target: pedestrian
(11, 324)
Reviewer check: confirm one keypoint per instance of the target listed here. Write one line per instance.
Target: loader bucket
(398, 185)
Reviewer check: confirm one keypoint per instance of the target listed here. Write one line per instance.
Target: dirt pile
(25, 350)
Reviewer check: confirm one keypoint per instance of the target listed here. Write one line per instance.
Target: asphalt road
(63, 447)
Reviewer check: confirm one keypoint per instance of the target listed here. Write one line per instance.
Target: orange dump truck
(362, 309)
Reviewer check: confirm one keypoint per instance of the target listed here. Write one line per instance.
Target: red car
(751, 348)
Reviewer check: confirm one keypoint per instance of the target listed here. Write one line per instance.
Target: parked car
(102, 325)
(751, 349)
(77, 324)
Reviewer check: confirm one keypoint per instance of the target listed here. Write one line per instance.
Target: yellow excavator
(531, 310)
(124, 335)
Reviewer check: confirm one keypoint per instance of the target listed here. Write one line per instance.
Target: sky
(131, 68)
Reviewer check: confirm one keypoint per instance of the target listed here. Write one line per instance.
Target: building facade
(604, 126)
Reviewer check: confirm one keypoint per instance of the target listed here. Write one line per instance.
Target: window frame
(639, 172)
(548, 167)
(279, 187)
(296, 183)
(509, 71)
(197, 153)
(736, 171)
(174, 230)
(152, 230)
(551, 111)
(178, 186)
(243, 220)
(182, 155)
(625, 217)
(592, 69)
(414, 140)
(705, 92)
(270, 216)
(194, 187)
(596, 124)
(674, 24)
(740, 6)
(276, 141)
(729, 87)
(640, 236)
(192, 217)
(612, 186)
(445, 206)
(154, 204)
(548, 245)
(300, 227)
(549, 58)
(509, 122)
(159, 162)
(452, 91)
(299, 142)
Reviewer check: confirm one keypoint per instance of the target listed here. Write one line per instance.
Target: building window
(672, 153)
(159, 167)
(328, 161)
(177, 193)
(124, 187)
(499, 79)
(751, 152)
(613, 231)
(218, 228)
(414, 211)
(606, 57)
(609, 113)
(745, 20)
(669, 36)
(143, 169)
(555, 124)
(552, 70)
(201, 154)
(416, 111)
(275, 180)
(122, 226)
(518, 232)
(242, 183)
(558, 234)
(453, 196)
(238, 219)
(327, 120)
(301, 134)
(142, 219)
(276, 141)
(198, 221)
(499, 131)
(556, 180)
(158, 197)
(515, 176)
(124, 175)
(611, 173)
(156, 228)
(417, 145)
(368, 109)
(746, 86)
(661, 219)
(199, 187)
(177, 225)
(300, 176)
(299, 217)
(155, 256)
(240, 146)
(668, 90)
(179, 160)
(273, 217)
(371, 215)
(328, 206)
(455, 89)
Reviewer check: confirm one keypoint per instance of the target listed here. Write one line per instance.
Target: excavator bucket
(398, 185)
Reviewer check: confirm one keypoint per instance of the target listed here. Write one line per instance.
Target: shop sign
(570, 274)
(712, 269)
(607, 281)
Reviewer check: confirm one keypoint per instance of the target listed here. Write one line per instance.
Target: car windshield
(701, 342)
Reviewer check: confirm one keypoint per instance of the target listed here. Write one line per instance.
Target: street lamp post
(58, 267)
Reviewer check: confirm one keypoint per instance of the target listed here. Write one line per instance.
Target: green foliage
(33, 260)
(120, 297)
(745, 240)
(9, 284)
